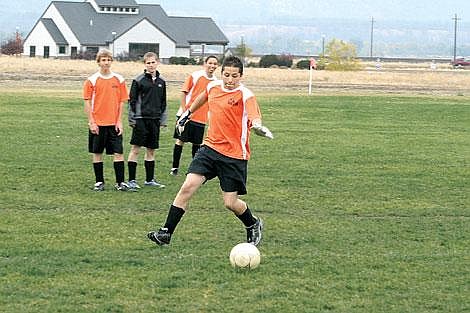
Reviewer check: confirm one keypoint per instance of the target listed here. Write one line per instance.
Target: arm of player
(182, 106)
(261, 130)
(91, 122)
(185, 117)
(131, 103)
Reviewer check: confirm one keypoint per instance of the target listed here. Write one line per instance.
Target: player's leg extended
(177, 209)
(253, 225)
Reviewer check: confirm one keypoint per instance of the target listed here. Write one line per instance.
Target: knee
(135, 150)
(229, 203)
(150, 154)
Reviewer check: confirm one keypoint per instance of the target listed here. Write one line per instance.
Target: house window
(137, 50)
(46, 52)
(61, 49)
(133, 10)
(32, 51)
(127, 9)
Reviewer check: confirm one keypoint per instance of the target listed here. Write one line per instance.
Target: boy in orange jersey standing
(233, 111)
(194, 130)
(105, 93)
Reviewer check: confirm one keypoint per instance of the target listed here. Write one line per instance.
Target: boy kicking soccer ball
(233, 111)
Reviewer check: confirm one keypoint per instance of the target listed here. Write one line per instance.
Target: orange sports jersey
(194, 85)
(106, 94)
(230, 116)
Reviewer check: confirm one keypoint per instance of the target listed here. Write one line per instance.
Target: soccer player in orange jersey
(233, 111)
(104, 94)
(194, 130)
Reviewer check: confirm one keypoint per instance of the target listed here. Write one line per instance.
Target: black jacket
(147, 98)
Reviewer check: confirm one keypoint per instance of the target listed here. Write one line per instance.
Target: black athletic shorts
(193, 133)
(231, 172)
(146, 133)
(107, 138)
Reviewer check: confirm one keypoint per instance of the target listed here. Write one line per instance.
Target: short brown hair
(149, 55)
(103, 53)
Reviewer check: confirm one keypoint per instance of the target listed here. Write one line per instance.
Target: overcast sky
(346, 9)
(24, 13)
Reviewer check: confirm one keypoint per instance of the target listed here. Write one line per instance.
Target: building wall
(145, 32)
(54, 14)
(182, 52)
(40, 38)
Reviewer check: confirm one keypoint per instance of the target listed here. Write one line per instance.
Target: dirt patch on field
(23, 74)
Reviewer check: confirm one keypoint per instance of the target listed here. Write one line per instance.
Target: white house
(67, 29)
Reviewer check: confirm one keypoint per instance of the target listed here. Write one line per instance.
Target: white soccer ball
(245, 255)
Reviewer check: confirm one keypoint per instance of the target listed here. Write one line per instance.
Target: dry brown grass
(22, 74)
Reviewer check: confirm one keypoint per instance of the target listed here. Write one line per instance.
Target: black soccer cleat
(162, 237)
(253, 233)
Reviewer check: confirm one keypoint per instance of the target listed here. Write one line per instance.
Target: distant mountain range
(393, 39)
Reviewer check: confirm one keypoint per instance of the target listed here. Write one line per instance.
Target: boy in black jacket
(147, 111)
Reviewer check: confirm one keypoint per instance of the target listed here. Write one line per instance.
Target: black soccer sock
(177, 150)
(174, 216)
(149, 170)
(119, 171)
(195, 148)
(132, 168)
(247, 218)
(98, 169)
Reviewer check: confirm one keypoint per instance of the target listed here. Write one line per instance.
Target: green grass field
(365, 200)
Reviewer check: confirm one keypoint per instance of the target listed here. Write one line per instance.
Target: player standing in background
(233, 111)
(147, 112)
(105, 93)
(194, 129)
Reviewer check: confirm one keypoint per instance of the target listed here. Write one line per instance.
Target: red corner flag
(313, 64)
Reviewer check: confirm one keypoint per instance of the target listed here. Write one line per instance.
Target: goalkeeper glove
(184, 118)
(262, 131)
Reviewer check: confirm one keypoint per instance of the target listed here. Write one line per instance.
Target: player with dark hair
(105, 93)
(194, 129)
(147, 112)
(233, 111)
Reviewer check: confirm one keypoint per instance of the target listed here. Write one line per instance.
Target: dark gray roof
(197, 30)
(120, 3)
(54, 31)
(92, 28)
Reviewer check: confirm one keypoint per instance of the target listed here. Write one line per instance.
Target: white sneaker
(99, 186)
(123, 187)
(133, 184)
(154, 183)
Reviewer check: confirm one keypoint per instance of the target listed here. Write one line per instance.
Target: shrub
(13, 46)
(182, 61)
(272, 59)
(303, 65)
(341, 56)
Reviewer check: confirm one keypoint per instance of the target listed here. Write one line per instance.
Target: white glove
(262, 131)
(184, 118)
